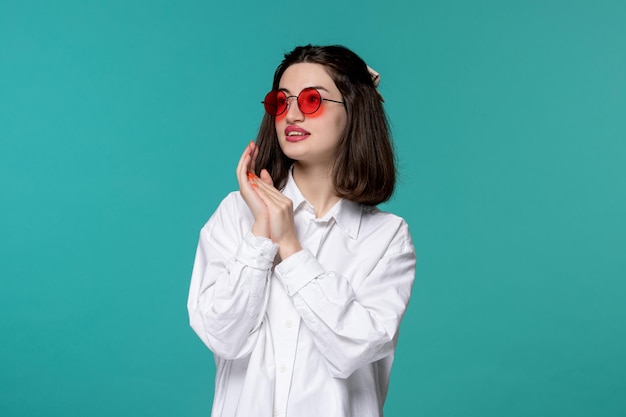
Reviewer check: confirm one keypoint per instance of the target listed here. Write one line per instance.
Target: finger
(274, 200)
(271, 197)
(253, 154)
(242, 170)
(246, 183)
(243, 160)
(266, 178)
(270, 189)
(264, 187)
(246, 162)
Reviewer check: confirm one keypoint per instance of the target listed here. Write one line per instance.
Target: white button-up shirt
(311, 335)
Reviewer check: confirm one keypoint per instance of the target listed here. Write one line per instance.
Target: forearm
(350, 327)
(228, 297)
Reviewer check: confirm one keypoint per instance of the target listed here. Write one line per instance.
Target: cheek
(317, 113)
(314, 115)
(279, 124)
(342, 124)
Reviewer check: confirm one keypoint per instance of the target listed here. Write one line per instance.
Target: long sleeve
(354, 318)
(313, 334)
(229, 283)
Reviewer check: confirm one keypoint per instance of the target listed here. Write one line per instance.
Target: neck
(316, 185)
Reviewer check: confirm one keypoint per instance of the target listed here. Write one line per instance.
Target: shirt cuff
(298, 270)
(257, 252)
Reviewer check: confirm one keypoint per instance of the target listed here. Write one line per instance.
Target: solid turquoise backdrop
(121, 123)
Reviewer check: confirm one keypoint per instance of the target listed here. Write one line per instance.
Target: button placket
(285, 324)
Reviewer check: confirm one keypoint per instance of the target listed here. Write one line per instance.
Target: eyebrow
(318, 87)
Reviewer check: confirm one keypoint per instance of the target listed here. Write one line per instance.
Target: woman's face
(310, 138)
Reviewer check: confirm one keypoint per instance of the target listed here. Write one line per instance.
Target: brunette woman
(300, 282)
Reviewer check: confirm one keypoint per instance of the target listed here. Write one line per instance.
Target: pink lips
(303, 134)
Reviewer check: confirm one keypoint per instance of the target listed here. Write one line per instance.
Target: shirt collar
(346, 213)
(292, 191)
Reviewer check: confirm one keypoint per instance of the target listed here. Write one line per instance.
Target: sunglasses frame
(266, 103)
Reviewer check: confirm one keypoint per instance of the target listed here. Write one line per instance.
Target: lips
(295, 134)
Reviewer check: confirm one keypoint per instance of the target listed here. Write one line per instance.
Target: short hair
(364, 170)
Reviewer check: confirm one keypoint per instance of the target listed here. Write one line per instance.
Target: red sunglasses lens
(275, 103)
(309, 100)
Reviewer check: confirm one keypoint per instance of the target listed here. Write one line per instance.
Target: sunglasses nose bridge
(288, 100)
(291, 108)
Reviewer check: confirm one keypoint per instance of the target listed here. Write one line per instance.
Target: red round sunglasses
(309, 101)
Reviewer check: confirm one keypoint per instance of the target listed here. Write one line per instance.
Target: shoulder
(376, 216)
(232, 200)
(376, 223)
(231, 211)
(233, 203)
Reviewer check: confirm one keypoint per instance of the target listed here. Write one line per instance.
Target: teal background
(121, 123)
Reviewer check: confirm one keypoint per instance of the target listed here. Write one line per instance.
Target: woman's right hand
(261, 226)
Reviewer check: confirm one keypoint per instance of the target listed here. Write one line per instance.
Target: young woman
(300, 282)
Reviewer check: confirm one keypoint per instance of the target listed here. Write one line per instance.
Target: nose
(293, 110)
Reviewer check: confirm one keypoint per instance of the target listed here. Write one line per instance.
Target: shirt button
(276, 412)
(289, 324)
(283, 368)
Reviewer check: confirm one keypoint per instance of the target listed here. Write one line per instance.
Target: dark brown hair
(365, 170)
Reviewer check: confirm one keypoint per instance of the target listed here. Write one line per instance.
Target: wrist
(286, 249)
(260, 229)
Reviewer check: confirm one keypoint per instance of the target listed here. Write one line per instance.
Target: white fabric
(315, 334)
